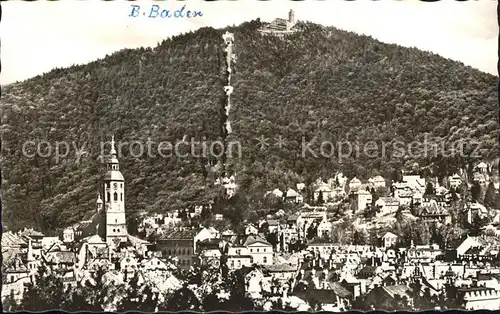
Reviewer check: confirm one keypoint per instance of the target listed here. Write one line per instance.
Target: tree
(183, 299)
(312, 231)
(137, 298)
(279, 305)
(422, 301)
(478, 223)
(237, 301)
(447, 234)
(475, 192)
(320, 198)
(342, 231)
(314, 304)
(451, 298)
(429, 189)
(360, 237)
(273, 239)
(47, 294)
(90, 296)
(10, 304)
(492, 197)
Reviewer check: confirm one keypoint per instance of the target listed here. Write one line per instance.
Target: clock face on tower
(115, 186)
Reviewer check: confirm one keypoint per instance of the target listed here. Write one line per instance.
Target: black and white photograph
(207, 156)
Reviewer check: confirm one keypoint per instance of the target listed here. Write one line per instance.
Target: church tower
(114, 200)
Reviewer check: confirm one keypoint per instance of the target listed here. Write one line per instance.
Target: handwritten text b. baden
(156, 11)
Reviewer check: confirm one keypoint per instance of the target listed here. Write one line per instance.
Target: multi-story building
(259, 249)
(360, 200)
(178, 244)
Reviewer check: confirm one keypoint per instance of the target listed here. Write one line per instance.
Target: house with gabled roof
(472, 246)
(259, 249)
(389, 239)
(383, 296)
(153, 264)
(435, 213)
(415, 182)
(251, 229)
(387, 205)
(273, 225)
(334, 298)
(454, 181)
(292, 196)
(354, 184)
(360, 200)
(15, 275)
(323, 193)
(481, 167)
(377, 181)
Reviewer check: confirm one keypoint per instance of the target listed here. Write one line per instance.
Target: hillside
(320, 82)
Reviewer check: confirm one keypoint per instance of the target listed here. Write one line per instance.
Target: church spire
(113, 150)
(99, 202)
(113, 160)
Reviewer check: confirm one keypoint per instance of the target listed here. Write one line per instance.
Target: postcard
(164, 156)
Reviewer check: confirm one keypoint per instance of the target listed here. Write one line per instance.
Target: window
(114, 230)
(232, 263)
(257, 250)
(115, 196)
(108, 197)
(239, 263)
(121, 185)
(116, 221)
(121, 196)
(264, 250)
(251, 250)
(264, 259)
(183, 251)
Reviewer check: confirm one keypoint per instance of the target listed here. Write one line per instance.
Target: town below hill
(407, 245)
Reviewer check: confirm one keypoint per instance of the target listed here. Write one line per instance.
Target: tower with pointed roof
(99, 203)
(114, 199)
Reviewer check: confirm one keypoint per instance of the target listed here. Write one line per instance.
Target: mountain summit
(315, 83)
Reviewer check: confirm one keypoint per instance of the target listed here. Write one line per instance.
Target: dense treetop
(318, 83)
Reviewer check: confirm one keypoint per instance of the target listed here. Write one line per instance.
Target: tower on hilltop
(114, 200)
(291, 17)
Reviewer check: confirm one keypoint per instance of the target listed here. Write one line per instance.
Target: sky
(39, 36)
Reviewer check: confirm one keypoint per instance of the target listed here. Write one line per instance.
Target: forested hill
(320, 82)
